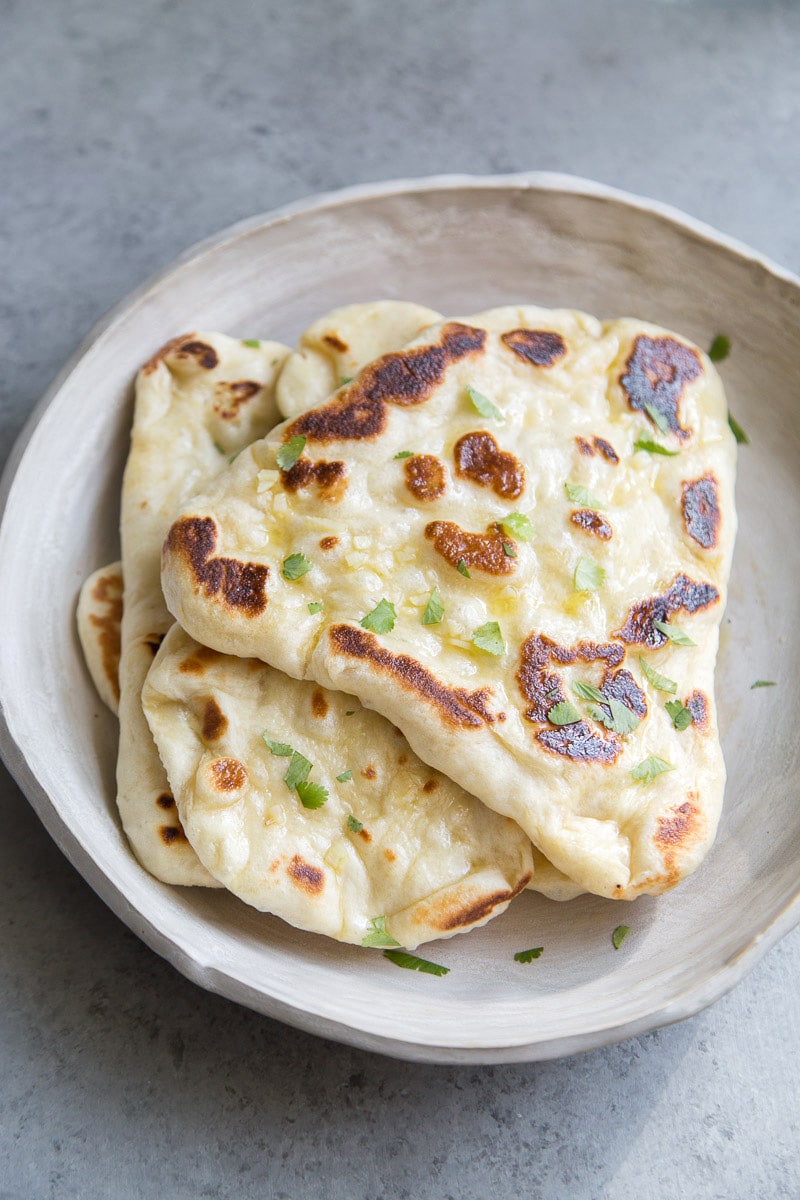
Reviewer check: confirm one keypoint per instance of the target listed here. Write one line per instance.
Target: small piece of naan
(419, 475)
(335, 348)
(199, 401)
(99, 618)
(393, 840)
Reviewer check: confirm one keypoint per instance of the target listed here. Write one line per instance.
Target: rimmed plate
(458, 244)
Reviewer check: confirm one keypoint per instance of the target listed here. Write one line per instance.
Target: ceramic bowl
(459, 245)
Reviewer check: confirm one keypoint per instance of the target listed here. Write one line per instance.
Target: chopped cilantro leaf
(675, 635)
(509, 550)
(254, 343)
(589, 575)
(616, 716)
(463, 569)
(518, 525)
(763, 683)
(737, 431)
(381, 619)
(315, 606)
(378, 935)
(312, 795)
(346, 379)
(482, 405)
(652, 447)
(526, 956)
(582, 496)
(288, 454)
(351, 712)
(295, 566)
(405, 454)
(489, 638)
(412, 963)
(657, 417)
(720, 348)
(563, 713)
(299, 770)
(681, 716)
(354, 825)
(658, 681)
(434, 610)
(218, 448)
(650, 767)
(588, 691)
(619, 935)
(345, 777)
(282, 749)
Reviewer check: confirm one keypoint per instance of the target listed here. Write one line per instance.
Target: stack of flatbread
(445, 632)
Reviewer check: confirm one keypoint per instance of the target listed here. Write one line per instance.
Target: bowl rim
(311, 1017)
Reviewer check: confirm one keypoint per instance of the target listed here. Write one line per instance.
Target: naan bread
(99, 617)
(100, 639)
(573, 395)
(336, 347)
(430, 859)
(199, 401)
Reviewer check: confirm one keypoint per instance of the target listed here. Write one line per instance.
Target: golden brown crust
(479, 458)
(359, 411)
(592, 522)
(539, 347)
(684, 595)
(242, 585)
(329, 477)
(231, 396)
(425, 477)
(457, 707)
(477, 551)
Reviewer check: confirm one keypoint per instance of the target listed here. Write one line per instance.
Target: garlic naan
(199, 401)
(419, 475)
(393, 840)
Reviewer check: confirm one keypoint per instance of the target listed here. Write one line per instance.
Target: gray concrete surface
(127, 131)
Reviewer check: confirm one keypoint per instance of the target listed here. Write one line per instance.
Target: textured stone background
(127, 131)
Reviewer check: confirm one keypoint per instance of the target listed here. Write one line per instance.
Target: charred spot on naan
(330, 478)
(214, 722)
(426, 478)
(185, 346)
(539, 347)
(196, 663)
(166, 800)
(700, 508)
(456, 707)
(107, 591)
(227, 774)
(597, 445)
(477, 551)
(592, 522)
(241, 585)
(407, 377)
(677, 833)
(319, 704)
(544, 688)
(454, 912)
(230, 397)
(335, 342)
(683, 595)
(656, 375)
(697, 704)
(479, 458)
(309, 878)
(328, 543)
(172, 834)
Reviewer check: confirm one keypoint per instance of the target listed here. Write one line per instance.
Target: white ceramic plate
(458, 245)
